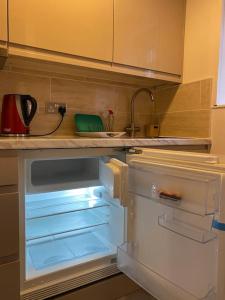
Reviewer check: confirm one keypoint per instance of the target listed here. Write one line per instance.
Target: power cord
(61, 111)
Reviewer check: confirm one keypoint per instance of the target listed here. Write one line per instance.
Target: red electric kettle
(17, 113)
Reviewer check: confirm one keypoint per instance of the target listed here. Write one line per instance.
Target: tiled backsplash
(182, 110)
(185, 110)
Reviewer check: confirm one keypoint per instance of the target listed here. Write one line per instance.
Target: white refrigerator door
(171, 249)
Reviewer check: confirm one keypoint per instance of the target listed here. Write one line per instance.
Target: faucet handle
(132, 130)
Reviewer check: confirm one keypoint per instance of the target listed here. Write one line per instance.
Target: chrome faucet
(132, 129)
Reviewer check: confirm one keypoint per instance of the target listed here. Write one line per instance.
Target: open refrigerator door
(172, 250)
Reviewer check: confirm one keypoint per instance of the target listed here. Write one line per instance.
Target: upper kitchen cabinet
(149, 34)
(3, 21)
(3, 33)
(82, 27)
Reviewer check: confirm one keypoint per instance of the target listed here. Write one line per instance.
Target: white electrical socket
(52, 107)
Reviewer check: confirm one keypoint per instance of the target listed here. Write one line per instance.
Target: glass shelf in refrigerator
(63, 223)
(55, 203)
(62, 212)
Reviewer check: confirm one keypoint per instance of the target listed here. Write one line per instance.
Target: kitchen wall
(182, 110)
(201, 57)
(185, 110)
(82, 95)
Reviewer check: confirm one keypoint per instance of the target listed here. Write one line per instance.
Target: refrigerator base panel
(63, 285)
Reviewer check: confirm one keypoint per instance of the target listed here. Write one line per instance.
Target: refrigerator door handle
(170, 196)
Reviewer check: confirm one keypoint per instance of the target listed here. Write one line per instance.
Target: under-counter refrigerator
(156, 215)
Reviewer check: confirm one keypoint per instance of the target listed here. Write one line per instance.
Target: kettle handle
(28, 115)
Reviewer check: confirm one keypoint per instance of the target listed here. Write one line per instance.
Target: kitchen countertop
(61, 142)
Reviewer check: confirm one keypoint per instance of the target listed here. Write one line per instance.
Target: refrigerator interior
(70, 219)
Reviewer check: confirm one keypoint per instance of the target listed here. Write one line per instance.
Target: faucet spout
(133, 129)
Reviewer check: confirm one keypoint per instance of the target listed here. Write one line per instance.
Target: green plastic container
(88, 123)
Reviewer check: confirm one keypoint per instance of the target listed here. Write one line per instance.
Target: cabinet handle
(8, 189)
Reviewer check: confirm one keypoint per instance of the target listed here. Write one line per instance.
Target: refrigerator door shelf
(186, 229)
(192, 190)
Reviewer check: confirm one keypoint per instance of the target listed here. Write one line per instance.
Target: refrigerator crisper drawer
(191, 190)
(177, 247)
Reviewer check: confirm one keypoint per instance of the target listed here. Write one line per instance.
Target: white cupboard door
(82, 27)
(3, 20)
(113, 176)
(149, 34)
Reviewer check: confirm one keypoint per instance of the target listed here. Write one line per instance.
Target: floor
(139, 295)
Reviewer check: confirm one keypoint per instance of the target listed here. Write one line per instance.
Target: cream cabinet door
(10, 281)
(78, 27)
(9, 229)
(3, 20)
(149, 34)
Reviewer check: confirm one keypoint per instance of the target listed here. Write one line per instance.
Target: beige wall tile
(143, 104)
(142, 121)
(121, 121)
(179, 98)
(187, 123)
(184, 109)
(83, 96)
(122, 99)
(44, 123)
(206, 93)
